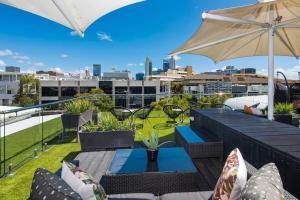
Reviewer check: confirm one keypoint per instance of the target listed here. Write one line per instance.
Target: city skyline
(114, 43)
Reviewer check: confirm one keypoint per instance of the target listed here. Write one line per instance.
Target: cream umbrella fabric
(74, 14)
(267, 28)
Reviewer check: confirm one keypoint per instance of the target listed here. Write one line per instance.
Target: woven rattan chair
(173, 112)
(122, 114)
(143, 114)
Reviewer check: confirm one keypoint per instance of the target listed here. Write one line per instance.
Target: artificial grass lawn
(21, 145)
(18, 186)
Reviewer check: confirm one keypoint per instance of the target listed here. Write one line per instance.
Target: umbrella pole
(271, 75)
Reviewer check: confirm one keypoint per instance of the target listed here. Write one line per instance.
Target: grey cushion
(48, 186)
(265, 184)
(133, 196)
(187, 196)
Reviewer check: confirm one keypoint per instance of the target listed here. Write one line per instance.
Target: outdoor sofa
(46, 185)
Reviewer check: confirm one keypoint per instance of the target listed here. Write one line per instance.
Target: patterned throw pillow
(233, 178)
(48, 186)
(265, 184)
(82, 183)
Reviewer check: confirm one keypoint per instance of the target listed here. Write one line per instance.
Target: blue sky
(121, 39)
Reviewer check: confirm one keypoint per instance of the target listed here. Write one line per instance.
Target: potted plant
(284, 113)
(101, 102)
(152, 144)
(109, 133)
(76, 114)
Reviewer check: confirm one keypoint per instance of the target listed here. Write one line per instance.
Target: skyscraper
(148, 67)
(172, 63)
(97, 70)
(166, 65)
(139, 76)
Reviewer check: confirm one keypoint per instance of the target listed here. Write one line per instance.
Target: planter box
(75, 121)
(284, 118)
(98, 141)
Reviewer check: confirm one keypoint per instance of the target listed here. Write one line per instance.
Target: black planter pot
(284, 118)
(75, 121)
(152, 155)
(99, 141)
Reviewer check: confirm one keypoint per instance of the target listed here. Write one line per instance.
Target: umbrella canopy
(74, 14)
(268, 28)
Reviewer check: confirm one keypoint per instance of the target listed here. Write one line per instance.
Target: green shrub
(284, 108)
(182, 101)
(107, 123)
(101, 101)
(78, 106)
(213, 101)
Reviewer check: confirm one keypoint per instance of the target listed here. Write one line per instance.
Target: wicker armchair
(122, 114)
(173, 112)
(143, 114)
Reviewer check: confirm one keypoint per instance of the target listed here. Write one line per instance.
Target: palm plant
(284, 108)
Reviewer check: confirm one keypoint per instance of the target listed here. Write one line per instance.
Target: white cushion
(80, 182)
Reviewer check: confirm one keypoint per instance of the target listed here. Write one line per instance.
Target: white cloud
(290, 73)
(104, 36)
(57, 69)
(176, 57)
(74, 33)
(38, 64)
(64, 55)
(6, 52)
(18, 57)
(135, 64)
(2, 63)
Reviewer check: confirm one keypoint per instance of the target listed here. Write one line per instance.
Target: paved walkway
(24, 124)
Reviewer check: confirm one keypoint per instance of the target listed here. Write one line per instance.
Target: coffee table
(130, 172)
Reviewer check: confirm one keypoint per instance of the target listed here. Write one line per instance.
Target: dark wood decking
(209, 170)
(260, 141)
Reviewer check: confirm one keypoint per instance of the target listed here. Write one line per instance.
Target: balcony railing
(26, 132)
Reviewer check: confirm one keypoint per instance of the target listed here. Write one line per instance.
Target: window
(9, 92)
(106, 86)
(135, 90)
(86, 89)
(68, 91)
(150, 90)
(49, 91)
(121, 90)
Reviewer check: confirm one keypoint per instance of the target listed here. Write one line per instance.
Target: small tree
(29, 91)
(102, 102)
(177, 88)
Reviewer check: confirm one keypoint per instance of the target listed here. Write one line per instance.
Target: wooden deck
(209, 170)
(260, 141)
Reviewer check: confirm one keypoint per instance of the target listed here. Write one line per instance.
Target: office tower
(166, 65)
(97, 70)
(148, 67)
(139, 76)
(12, 69)
(172, 63)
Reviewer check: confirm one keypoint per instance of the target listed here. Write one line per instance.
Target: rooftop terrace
(46, 144)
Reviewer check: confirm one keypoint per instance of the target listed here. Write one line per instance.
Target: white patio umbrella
(268, 28)
(74, 14)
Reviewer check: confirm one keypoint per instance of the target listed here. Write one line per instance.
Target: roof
(234, 79)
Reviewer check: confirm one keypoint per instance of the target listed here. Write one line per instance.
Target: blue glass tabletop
(132, 161)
